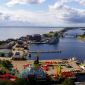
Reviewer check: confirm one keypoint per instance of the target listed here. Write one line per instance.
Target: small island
(82, 37)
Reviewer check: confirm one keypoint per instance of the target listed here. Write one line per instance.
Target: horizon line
(46, 26)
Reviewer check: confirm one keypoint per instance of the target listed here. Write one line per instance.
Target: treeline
(51, 34)
(2, 42)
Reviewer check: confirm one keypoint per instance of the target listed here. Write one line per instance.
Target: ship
(53, 40)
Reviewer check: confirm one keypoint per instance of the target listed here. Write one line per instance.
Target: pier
(38, 43)
(50, 51)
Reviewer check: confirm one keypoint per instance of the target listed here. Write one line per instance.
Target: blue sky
(33, 7)
(42, 12)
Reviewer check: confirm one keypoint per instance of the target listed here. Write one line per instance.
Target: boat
(53, 40)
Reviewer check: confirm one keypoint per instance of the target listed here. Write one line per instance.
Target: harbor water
(69, 45)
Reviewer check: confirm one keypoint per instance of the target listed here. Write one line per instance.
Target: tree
(45, 35)
(56, 34)
(68, 81)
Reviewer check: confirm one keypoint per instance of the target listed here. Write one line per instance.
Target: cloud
(59, 13)
(3, 16)
(39, 18)
(14, 2)
(66, 13)
(82, 2)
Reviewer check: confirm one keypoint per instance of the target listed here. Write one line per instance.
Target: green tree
(56, 34)
(45, 35)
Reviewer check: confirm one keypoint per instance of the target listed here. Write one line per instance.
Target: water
(70, 46)
(6, 33)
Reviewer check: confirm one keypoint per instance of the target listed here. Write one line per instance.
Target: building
(5, 53)
(37, 37)
(20, 50)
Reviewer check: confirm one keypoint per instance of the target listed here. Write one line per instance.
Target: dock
(38, 43)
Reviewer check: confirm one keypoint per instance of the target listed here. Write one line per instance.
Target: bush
(68, 81)
(7, 64)
(17, 82)
(18, 59)
(21, 82)
(6, 82)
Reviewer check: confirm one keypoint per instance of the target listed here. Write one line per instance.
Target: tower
(36, 61)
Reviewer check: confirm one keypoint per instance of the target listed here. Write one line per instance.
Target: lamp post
(37, 58)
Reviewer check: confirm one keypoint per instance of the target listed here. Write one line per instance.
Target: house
(5, 53)
(20, 50)
(37, 37)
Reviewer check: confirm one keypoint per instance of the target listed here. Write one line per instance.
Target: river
(70, 46)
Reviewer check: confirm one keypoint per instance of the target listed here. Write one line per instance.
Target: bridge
(70, 35)
(50, 51)
(63, 33)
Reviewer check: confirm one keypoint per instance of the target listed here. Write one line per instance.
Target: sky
(42, 12)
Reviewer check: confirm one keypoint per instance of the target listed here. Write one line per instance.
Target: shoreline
(81, 38)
